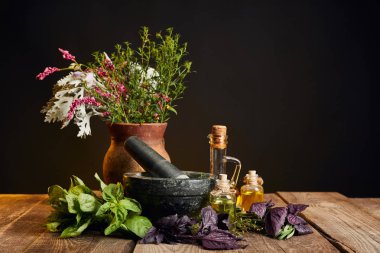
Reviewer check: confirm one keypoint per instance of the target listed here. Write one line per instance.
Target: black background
(295, 82)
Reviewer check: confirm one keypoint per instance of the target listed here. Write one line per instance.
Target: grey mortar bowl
(160, 197)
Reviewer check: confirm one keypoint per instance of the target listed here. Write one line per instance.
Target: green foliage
(152, 75)
(79, 207)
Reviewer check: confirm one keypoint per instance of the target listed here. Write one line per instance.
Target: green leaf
(171, 109)
(103, 209)
(53, 226)
(102, 184)
(139, 225)
(112, 227)
(286, 232)
(78, 189)
(72, 203)
(75, 230)
(77, 181)
(57, 197)
(87, 202)
(130, 204)
(121, 214)
(78, 217)
(113, 192)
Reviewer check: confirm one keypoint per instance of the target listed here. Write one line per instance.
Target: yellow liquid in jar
(250, 197)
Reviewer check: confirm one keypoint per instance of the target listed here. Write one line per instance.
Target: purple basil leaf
(296, 208)
(209, 220)
(275, 219)
(260, 208)
(295, 220)
(182, 224)
(220, 239)
(303, 229)
(167, 222)
(153, 236)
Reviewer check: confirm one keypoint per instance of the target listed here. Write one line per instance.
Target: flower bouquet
(128, 86)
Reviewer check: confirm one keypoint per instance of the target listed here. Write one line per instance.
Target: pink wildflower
(82, 101)
(156, 117)
(66, 55)
(122, 88)
(101, 93)
(106, 114)
(108, 62)
(47, 71)
(160, 105)
(166, 98)
(101, 72)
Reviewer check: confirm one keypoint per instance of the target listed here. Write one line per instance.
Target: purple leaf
(153, 236)
(167, 222)
(275, 219)
(220, 239)
(303, 229)
(182, 224)
(296, 208)
(260, 208)
(295, 220)
(209, 220)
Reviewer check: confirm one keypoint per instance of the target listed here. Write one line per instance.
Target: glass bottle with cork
(223, 199)
(218, 154)
(252, 191)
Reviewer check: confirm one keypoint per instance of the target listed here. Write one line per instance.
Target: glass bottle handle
(235, 175)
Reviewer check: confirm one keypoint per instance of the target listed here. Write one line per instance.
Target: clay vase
(117, 161)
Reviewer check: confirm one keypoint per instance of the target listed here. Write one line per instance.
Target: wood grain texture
(13, 206)
(256, 243)
(25, 231)
(348, 227)
(369, 205)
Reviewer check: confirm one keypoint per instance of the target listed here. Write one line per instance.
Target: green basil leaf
(102, 184)
(112, 227)
(53, 226)
(108, 192)
(78, 217)
(72, 203)
(103, 209)
(139, 225)
(130, 204)
(121, 214)
(119, 191)
(113, 192)
(75, 230)
(77, 181)
(57, 197)
(78, 189)
(87, 202)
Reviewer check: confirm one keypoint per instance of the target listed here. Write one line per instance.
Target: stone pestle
(151, 161)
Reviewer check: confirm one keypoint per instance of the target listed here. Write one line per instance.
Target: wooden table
(339, 224)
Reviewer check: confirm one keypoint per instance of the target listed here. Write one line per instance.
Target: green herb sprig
(78, 208)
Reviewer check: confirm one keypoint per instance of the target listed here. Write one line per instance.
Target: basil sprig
(76, 209)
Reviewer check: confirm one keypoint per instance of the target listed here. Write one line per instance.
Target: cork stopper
(223, 183)
(252, 177)
(219, 130)
(218, 137)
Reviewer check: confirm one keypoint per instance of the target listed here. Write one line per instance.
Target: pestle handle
(150, 160)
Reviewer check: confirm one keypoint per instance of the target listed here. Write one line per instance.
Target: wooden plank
(26, 233)
(256, 243)
(343, 223)
(369, 205)
(22, 231)
(87, 242)
(13, 206)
